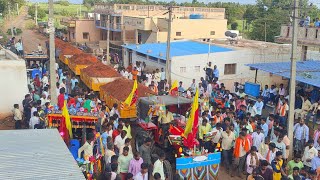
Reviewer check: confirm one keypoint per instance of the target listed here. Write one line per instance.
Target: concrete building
(155, 29)
(13, 77)
(307, 37)
(131, 23)
(81, 30)
(190, 57)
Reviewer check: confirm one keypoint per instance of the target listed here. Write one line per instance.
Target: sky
(316, 2)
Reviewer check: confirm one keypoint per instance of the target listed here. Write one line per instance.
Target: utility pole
(108, 38)
(293, 74)
(168, 58)
(80, 11)
(17, 5)
(53, 91)
(10, 19)
(36, 14)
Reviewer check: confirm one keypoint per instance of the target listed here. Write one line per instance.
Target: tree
(12, 3)
(41, 12)
(234, 26)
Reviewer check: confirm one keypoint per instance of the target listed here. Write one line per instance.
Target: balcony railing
(112, 26)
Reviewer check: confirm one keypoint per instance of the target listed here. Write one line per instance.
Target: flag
(133, 96)
(191, 129)
(65, 124)
(174, 88)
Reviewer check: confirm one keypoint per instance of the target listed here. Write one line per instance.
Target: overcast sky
(317, 2)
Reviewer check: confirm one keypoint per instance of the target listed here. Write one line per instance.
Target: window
(197, 69)
(85, 35)
(230, 69)
(212, 33)
(73, 36)
(183, 69)
(178, 33)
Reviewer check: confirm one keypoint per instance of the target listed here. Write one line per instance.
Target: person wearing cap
(257, 137)
(296, 162)
(253, 159)
(271, 154)
(309, 152)
(278, 166)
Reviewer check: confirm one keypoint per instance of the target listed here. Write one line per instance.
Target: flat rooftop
(307, 71)
(36, 154)
(178, 48)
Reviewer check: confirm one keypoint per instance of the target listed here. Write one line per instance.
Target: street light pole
(293, 74)
(53, 91)
(108, 39)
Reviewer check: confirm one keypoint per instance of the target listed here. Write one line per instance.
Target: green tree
(12, 3)
(32, 11)
(234, 26)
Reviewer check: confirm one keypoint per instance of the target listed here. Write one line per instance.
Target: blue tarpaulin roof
(177, 48)
(307, 71)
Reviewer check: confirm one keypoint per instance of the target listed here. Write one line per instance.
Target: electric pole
(168, 58)
(80, 11)
(36, 14)
(293, 74)
(10, 19)
(265, 31)
(52, 59)
(108, 39)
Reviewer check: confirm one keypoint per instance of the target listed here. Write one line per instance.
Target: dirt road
(30, 38)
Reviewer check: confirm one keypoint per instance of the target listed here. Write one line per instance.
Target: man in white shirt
(34, 120)
(193, 86)
(158, 166)
(259, 106)
(163, 74)
(257, 137)
(252, 109)
(119, 141)
(228, 139)
(309, 152)
(45, 80)
(157, 76)
(143, 174)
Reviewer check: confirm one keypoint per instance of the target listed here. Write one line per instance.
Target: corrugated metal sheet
(177, 48)
(307, 71)
(36, 154)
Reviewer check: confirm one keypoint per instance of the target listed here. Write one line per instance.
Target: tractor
(148, 110)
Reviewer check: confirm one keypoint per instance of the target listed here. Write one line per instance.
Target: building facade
(307, 37)
(189, 58)
(81, 30)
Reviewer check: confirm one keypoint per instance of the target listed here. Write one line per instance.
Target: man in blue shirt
(264, 127)
(317, 23)
(315, 162)
(215, 72)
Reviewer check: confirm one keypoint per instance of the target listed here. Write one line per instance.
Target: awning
(308, 72)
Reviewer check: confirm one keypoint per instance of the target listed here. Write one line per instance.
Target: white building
(13, 78)
(189, 58)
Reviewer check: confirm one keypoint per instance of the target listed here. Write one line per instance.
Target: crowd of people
(252, 139)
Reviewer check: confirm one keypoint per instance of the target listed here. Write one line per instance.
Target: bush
(234, 26)
(62, 3)
(41, 12)
(30, 25)
(17, 31)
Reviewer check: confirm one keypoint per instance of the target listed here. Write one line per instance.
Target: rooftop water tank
(196, 16)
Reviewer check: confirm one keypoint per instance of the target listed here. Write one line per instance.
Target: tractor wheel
(168, 169)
